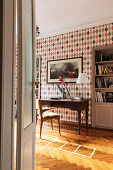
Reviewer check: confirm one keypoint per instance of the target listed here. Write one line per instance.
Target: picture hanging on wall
(68, 69)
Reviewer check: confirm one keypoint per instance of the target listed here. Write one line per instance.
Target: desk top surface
(66, 100)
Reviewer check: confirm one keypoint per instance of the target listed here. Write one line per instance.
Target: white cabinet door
(104, 116)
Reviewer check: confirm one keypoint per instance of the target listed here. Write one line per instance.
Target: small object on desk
(77, 98)
(55, 98)
(63, 93)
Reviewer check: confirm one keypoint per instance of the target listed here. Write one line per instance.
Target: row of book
(102, 57)
(100, 97)
(102, 69)
(101, 83)
(99, 69)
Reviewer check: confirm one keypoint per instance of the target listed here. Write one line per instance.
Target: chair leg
(51, 124)
(59, 126)
(36, 116)
(41, 128)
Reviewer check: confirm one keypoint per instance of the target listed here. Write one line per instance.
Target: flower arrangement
(63, 83)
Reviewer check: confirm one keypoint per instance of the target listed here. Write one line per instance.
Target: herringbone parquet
(50, 157)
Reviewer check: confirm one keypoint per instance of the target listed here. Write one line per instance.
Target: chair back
(38, 106)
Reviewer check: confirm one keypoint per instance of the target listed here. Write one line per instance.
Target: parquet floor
(93, 149)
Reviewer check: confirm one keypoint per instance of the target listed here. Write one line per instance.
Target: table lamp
(82, 79)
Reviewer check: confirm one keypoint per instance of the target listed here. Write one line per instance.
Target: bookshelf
(37, 82)
(102, 87)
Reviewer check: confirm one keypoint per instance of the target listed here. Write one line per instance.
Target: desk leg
(86, 118)
(79, 121)
(36, 116)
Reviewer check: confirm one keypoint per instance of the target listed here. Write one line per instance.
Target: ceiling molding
(75, 28)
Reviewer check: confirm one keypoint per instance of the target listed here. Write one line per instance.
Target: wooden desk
(77, 105)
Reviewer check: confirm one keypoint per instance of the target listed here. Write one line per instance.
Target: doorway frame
(7, 110)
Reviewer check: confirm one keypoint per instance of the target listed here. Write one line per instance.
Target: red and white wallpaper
(70, 45)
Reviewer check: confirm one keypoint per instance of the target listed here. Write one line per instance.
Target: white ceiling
(61, 16)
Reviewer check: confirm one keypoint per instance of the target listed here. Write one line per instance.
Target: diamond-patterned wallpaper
(70, 45)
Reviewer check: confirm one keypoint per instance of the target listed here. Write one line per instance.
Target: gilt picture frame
(68, 69)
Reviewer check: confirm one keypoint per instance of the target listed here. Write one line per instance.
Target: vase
(63, 93)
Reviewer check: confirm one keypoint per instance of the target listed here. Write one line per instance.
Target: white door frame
(7, 86)
(8, 71)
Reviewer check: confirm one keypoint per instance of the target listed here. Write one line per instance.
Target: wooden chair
(45, 115)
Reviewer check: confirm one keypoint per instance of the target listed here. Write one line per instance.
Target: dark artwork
(64, 70)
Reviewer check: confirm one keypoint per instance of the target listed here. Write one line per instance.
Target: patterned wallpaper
(70, 45)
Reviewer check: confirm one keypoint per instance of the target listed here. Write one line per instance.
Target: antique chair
(45, 114)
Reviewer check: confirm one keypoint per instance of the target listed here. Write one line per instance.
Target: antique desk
(77, 105)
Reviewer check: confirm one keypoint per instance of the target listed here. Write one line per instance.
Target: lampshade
(82, 78)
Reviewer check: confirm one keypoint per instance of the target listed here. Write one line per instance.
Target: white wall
(60, 16)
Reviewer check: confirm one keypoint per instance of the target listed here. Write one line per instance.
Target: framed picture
(64, 68)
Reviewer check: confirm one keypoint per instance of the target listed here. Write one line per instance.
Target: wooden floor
(93, 149)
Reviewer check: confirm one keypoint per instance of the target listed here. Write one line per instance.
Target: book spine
(101, 69)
